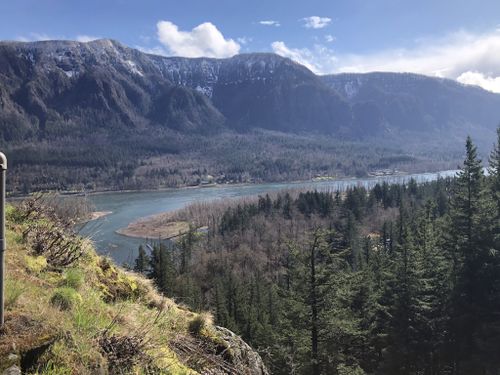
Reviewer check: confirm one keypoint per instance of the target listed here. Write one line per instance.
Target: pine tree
(162, 269)
(468, 245)
(303, 300)
(433, 271)
(490, 335)
(494, 187)
(317, 271)
(185, 246)
(142, 261)
(402, 290)
(221, 310)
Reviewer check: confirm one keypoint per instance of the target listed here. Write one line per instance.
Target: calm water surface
(127, 207)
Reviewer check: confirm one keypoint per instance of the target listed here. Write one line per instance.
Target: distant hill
(61, 101)
(416, 103)
(58, 88)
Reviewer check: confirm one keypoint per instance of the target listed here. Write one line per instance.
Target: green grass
(75, 305)
(65, 298)
(73, 278)
(13, 290)
(90, 315)
(53, 369)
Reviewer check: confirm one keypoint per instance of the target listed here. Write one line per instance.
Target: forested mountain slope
(61, 101)
(419, 104)
(67, 88)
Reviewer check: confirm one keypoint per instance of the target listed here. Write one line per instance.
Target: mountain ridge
(256, 90)
(63, 100)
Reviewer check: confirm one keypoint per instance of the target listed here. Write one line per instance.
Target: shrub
(198, 324)
(50, 235)
(35, 264)
(13, 290)
(122, 352)
(12, 214)
(65, 298)
(73, 278)
(51, 368)
(60, 247)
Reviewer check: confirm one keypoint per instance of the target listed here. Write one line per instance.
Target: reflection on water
(127, 207)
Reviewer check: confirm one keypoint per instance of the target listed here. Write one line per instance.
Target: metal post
(3, 169)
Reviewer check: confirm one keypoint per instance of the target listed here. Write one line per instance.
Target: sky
(454, 39)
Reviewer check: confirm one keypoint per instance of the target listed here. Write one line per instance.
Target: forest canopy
(400, 279)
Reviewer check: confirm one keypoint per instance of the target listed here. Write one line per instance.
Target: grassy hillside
(71, 311)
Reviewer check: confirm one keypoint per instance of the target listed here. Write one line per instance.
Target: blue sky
(451, 38)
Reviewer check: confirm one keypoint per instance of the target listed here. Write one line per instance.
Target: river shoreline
(130, 206)
(162, 226)
(69, 193)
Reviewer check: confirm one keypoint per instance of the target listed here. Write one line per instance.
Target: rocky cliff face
(64, 88)
(247, 360)
(61, 88)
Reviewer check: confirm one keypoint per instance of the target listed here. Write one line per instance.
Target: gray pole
(3, 168)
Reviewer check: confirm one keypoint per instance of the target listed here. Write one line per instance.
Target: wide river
(127, 207)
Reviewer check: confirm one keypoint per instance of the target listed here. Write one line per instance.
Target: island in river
(155, 226)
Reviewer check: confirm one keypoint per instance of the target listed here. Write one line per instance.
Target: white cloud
(318, 59)
(86, 38)
(302, 56)
(244, 40)
(37, 37)
(467, 57)
(315, 22)
(270, 23)
(447, 57)
(204, 40)
(479, 79)
(330, 38)
(157, 50)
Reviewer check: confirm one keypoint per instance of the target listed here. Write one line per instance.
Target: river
(127, 207)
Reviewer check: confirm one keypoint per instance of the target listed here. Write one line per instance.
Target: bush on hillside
(65, 298)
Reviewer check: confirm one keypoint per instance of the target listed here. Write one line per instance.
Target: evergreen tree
(185, 246)
(469, 248)
(162, 269)
(494, 187)
(433, 271)
(401, 299)
(490, 335)
(142, 261)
